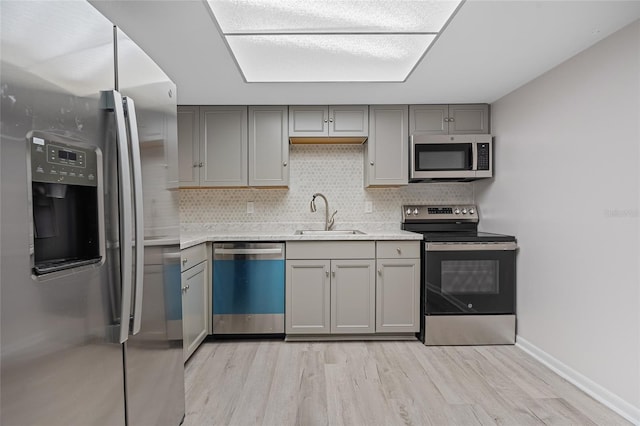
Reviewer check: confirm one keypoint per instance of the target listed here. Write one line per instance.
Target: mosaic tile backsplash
(334, 170)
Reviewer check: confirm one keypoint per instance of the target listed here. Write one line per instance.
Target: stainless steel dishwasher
(248, 288)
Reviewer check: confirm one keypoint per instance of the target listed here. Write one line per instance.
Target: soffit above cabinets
(329, 40)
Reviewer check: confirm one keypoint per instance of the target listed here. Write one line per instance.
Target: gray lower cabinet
(449, 119)
(330, 287)
(386, 151)
(398, 295)
(353, 295)
(330, 296)
(308, 297)
(398, 287)
(194, 298)
(341, 293)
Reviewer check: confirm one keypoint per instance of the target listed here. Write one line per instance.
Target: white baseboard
(596, 391)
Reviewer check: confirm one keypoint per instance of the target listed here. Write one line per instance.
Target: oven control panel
(428, 213)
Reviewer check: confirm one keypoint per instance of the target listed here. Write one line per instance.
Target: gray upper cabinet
(349, 120)
(324, 121)
(223, 145)
(449, 119)
(212, 145)
(386, 151)
(189, 145)
(268, 146)
(227, 146)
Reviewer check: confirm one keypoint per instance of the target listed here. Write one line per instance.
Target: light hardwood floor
(379, 383)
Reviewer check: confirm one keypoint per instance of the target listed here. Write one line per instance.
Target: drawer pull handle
(184, 261)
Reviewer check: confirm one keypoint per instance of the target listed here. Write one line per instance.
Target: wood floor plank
(516, 361)
(251, 403)
(282, 398)
(312, 390)
(379, 383)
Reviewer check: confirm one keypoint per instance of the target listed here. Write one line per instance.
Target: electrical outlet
(368, 207)
(250, 207)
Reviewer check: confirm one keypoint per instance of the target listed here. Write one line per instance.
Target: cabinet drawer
(331, 250)
(191, 256)
(398, 249)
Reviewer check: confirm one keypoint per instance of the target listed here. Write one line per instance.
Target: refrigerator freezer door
(61, 362)
(154, 361)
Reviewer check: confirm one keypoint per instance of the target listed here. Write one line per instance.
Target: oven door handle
(509, 246)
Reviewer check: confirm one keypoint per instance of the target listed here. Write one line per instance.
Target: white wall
(567, 184)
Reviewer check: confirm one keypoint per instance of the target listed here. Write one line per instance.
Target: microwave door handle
(130, 111)
(474, 154)
(113, 102)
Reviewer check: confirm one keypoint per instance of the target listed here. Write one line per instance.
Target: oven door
(470, 278)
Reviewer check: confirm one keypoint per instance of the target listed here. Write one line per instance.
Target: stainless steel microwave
(450, 157)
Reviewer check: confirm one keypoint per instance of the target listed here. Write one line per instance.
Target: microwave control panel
(483, 156)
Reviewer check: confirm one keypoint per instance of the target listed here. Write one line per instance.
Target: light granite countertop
(192, 235)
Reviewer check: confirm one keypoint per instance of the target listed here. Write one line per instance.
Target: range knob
(415, 212)
(457, 211)
(464, 211)
(471, 211)
(408, 212)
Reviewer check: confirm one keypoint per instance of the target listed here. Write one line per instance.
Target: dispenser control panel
(54, 161)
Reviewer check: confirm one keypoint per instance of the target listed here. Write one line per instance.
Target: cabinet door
(469, 119)
(430, 119)
(308, 297)
(268, 146)
(386, 151)
(308, 120)
(349, 120)
(194, 307)
(352, 296)
(189, 145)
(398, 296)
(223, 145)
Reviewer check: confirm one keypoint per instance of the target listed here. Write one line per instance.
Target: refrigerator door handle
(113, 100)
(132, 121)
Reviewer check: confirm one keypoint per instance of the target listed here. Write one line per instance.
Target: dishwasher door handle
(247, 251)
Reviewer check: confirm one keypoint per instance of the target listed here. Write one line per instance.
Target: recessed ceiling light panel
(328, 57)
(330, 40)
(293, 16)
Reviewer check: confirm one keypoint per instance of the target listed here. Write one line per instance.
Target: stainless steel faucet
(328, 221)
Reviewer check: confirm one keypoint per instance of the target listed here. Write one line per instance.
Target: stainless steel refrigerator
(90, 301)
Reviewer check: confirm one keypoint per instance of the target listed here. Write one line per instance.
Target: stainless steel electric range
(468, 277)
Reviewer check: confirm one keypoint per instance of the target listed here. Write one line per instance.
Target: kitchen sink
(333, 232)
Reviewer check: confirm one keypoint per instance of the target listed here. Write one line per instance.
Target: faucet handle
(331, 221)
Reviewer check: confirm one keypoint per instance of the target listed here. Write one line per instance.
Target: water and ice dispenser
(65, 203)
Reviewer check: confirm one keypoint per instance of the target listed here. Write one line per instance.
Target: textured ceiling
(489, 49)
